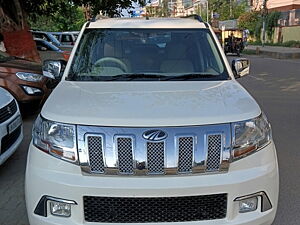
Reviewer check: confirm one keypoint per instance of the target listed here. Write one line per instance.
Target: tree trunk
(18, 39)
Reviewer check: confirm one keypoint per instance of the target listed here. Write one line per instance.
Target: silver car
(11, 130)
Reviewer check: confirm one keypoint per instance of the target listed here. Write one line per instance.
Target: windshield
(147, 54)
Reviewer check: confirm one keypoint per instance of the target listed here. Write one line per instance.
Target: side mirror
(240, 67)
(54, 69)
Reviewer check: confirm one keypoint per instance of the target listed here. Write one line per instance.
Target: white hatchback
(11, 133)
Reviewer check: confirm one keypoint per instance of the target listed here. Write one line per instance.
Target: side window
(66, 38)
(40, 44)
(56, 36)
(37, 35)
(45, 37)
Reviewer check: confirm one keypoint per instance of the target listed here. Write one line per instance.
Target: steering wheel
(120, 63)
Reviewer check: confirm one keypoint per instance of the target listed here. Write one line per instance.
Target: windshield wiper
(191, 76)
(133, 76)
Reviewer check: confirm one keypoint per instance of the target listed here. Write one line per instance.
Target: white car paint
(150, 104)
(5, 99)
(158, 103)
(144, 23)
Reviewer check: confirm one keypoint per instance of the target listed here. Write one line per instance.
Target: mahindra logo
(155, 135)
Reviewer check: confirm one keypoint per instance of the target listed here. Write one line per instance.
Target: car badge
(155, 135)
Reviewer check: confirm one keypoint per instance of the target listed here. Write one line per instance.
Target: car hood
(150, 104)
(19, 65)
(5, 97)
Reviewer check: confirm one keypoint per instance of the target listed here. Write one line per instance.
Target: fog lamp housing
(56, 206)
(60, 208)
(32, 90)
(248, 205)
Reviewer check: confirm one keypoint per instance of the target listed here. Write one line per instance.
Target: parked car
(46, 36)
(50, 51)
(150, 126)
(23, 79)
(11, 133)
(67, 39)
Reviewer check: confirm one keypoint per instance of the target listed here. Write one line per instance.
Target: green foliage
(67, 18)
(228, 9)
(112, 8)
(272, 22)
(251, 21)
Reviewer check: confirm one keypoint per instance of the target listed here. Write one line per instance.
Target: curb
(275, 55)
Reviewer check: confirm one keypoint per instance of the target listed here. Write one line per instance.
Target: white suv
(149, 126)
(11, 131)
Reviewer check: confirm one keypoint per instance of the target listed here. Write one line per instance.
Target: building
(276, 5)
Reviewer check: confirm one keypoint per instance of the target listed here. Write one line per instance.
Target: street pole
(207, 11)
(264, 23)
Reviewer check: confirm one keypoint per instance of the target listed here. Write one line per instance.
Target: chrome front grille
(155, 157)
(214, 151)
(95, 149)
(185, 154)
(125, 155)
(124, 151)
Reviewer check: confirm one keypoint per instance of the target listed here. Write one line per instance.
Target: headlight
(57, 139)
(33, 77)
(250, 136)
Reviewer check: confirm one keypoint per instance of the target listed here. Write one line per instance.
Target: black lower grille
(8, 140)
(147, 210)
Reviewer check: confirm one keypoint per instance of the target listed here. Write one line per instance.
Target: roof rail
(195, 17)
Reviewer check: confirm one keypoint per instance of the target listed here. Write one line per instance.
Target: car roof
(38, 31)
(142, 22)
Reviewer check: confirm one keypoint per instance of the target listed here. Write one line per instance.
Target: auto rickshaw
(233, 42)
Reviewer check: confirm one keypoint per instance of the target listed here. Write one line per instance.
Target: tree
(14, 16)
(110, 8)
(228, 9)
(272, 22)
(251, 21)
(65, 19)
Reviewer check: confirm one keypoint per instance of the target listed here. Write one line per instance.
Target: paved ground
(276, 86)
(12, 203)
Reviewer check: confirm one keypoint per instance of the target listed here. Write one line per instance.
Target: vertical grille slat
(214, 152)
(155, 157)
(8, 111)
(185, 154)
(95, 147)
(125, 155)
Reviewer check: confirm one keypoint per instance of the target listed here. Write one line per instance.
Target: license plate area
(14, 125)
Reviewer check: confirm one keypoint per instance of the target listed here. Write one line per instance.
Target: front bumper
(46, 175)
(3, 133)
